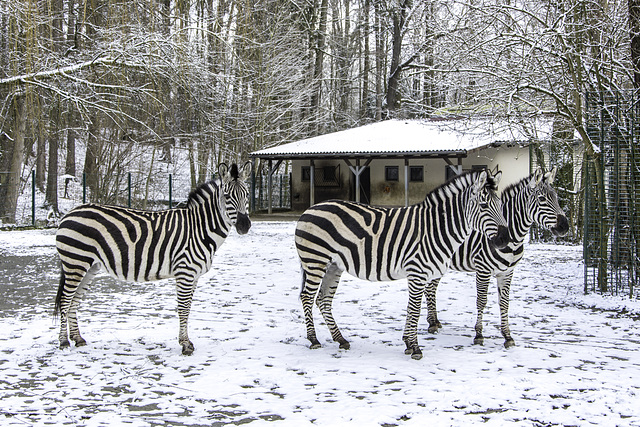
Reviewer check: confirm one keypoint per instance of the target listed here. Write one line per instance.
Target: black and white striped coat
(136, 245)
(531, 200)
(379, 244)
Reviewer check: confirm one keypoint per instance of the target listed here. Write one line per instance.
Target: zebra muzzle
(562, 226)
(501, 239)
(243, 223)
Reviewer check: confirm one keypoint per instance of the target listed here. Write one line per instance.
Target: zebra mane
(513, 188)
(467, 178)
(203, 192)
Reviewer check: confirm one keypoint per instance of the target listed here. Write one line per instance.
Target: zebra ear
(480, 182)
(536, 178)
(223, 172)
(246, 171)
(496, 178)
(550, 176)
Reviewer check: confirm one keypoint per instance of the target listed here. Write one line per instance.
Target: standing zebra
(379, 244)
(530, 200)
(136, 245)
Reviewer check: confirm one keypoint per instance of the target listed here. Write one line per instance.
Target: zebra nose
(562, 226)
(501, 238)
(243, 223)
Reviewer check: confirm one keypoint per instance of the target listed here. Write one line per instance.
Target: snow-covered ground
(576, 361)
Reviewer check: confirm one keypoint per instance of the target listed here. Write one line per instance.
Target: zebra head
(485, 209)
(543, 203)
(236, 194)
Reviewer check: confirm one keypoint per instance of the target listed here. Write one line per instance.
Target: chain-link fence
(136, 190)
(280, 192)
(132, 189)
(612, 205)
(567, 156)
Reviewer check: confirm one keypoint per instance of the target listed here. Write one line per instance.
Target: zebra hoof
(345, 345)
(416, 354)
(433, 329)
(314, 344)
(80, 342)
(508, 343)
(64, 344)
(187, 349)
(478, 340)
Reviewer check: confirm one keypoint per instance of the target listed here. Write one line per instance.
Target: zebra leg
(328, 288)
(72, 288)
(482, 286)
(432, 312)
(410, 335)
(504, 285)
(311, 279)
(185, 288)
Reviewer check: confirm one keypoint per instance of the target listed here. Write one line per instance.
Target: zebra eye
(541, 198)
(484, 205)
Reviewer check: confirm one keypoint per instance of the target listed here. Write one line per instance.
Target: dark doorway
(365, 186)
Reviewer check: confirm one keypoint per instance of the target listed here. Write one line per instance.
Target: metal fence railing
(280, 192)
(612, 205)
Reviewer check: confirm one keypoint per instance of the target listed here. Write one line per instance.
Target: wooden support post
(406, 182)
(312, 182)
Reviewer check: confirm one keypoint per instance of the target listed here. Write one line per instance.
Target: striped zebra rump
(137, 245)
(530, 200)
(381, 244)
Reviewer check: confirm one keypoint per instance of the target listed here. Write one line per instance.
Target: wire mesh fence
(612, 206)
(280, 192)
(567, 157)
(138, 190)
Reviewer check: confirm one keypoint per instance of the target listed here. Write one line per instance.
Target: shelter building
(397, 162)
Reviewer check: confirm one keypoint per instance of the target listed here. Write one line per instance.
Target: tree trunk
(41, 160)
(364, 105)
(316, 96)
(91, 165)
(634, 33)
(399, 18)
(10, 187)
(379, 59)
(51, 195)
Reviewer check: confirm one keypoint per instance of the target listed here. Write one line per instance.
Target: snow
(575, 362)
(410, 136)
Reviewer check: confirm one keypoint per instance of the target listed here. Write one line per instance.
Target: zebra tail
(56, 309)
(304, 280)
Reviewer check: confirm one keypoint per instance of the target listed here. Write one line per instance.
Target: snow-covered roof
(401, 138)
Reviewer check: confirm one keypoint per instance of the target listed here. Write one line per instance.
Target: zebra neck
(443, 208)
(212, 223)
(516, 211)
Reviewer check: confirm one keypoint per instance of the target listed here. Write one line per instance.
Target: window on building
(416, 173)
(325, 176)
(391, 173)
(306, 173)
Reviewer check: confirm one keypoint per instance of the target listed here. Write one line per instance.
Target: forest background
(93, 86)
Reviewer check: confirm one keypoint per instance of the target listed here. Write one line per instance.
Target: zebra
(381, 244)
(530, 200)
(137, 245)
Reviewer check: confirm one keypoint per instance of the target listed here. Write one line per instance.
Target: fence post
(33, 198)
(170, 191)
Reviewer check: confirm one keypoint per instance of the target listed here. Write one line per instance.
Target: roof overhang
(361, 155)
(403, 139)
